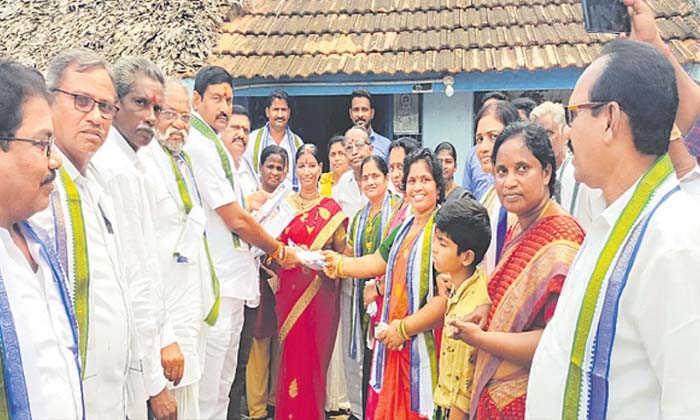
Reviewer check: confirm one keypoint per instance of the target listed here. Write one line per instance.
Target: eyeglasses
(47, 145)
(572, 110)
(85, 103)
(169, 115)
(357, 145)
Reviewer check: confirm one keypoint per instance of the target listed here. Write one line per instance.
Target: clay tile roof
(282, 39)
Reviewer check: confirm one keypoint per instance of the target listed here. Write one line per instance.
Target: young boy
(462, 236)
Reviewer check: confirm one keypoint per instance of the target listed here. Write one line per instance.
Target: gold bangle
(280, 253)
(402, 330)
(339, 268)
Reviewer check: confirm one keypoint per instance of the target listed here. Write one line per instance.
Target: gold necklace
(307, 204)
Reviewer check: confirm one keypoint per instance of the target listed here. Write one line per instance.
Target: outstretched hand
(291, 259)
(332, 261)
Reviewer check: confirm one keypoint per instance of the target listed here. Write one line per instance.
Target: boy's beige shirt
(456, 369)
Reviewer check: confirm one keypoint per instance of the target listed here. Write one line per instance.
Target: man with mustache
(349, 195)
(39, 352)
(357, 147)
(276, 130)
(140, 91)
(621, 341)
(81, 223)
(361, 114)
(231, 231)
(235, 138)
(181, 243)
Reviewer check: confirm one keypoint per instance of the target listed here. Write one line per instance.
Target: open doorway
(317, 118)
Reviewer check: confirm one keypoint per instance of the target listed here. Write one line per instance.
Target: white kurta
(109, 327)
(44, 332)
(132, 194)
(577, 198)
(654, 369)
(344, 376)
(235, 268)
(249, 184)
(188, 285)
(348, 194)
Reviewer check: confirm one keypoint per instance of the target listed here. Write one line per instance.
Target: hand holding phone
(605, 16)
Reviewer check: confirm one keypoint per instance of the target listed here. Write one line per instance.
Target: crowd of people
(158, 259)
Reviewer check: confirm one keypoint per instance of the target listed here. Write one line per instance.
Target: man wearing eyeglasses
(181, 243)
(39, 353)
(231, 231)
(622, 342)
(81, 223)
(349, 195)
(140, 95)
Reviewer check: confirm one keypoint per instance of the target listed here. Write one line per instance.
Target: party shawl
(420, 288)
(360, 233)
(586, 393)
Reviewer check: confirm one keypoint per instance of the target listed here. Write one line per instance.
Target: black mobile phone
(605, 16)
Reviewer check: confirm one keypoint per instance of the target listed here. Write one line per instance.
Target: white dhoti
(336, 385)
(221, 357)
(353, 368)
(187, 398)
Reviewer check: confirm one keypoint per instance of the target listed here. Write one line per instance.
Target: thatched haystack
(178, 35)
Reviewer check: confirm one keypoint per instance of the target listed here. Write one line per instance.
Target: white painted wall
(449, 119)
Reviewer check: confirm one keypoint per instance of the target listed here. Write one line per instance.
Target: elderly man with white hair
(575, 197)
(179, 220)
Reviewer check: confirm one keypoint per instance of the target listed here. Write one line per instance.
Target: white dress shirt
(132, 193)
(235, 267)
(186, 283)
(654, 369)
(44, 332)
(250, 183)
(347, 193)
(109, 325)
(577, 198)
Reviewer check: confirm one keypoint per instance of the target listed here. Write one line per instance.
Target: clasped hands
(470, 327)
(333, 268)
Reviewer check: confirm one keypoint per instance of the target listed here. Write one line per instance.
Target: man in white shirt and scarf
(40, 362)
(139, 85)
(191, 286)
(81, 223)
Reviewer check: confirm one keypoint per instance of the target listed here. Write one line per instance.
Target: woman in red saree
(526, 283)
(307, 302)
